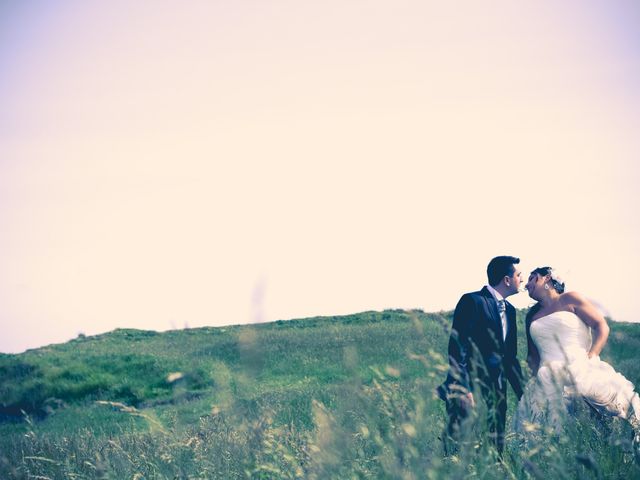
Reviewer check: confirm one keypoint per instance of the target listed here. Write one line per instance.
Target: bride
(565, 335)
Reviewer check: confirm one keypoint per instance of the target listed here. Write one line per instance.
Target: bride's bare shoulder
(571, 300)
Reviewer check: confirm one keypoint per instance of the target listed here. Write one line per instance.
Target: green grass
(331, 397)
(246, 362)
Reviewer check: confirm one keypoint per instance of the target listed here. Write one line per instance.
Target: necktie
(502, 310)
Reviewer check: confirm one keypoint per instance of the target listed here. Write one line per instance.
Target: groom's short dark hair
(500, 267)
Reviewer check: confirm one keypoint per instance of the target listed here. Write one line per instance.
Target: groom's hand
(467, 400)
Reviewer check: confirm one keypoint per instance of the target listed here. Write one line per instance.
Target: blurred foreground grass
(332, 397)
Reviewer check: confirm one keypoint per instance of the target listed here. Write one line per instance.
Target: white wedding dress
(566, 374)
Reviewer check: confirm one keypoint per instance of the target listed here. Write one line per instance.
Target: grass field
(330, 397)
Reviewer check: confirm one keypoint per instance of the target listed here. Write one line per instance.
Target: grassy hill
(330, 397)
(149, 369)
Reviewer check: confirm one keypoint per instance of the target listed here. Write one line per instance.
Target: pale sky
(167, 164)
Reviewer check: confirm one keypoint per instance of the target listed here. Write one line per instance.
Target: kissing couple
(565, 335)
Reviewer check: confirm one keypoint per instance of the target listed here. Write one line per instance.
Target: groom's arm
(514, 375)
(514, 371)
(533, 356)
(460, 350)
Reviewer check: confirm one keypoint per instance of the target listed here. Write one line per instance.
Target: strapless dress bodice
(561, 337)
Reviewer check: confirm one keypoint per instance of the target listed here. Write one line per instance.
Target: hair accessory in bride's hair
(556, 280)
(555, 276)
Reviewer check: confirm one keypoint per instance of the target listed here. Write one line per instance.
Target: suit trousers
(458, 424)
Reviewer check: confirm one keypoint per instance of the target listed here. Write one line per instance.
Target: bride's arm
(593, 318)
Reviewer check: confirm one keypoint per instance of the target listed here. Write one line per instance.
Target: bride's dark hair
(556, 282)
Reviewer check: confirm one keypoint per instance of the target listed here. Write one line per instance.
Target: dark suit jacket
(477, 351)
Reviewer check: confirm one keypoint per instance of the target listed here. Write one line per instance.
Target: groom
(482, 353)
